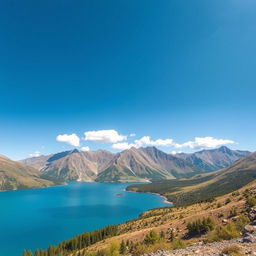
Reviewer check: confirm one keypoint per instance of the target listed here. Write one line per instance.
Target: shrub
(228, 201)
(178, 244)
(152, 237)
(220, 214)
(227, 232)
(200, 227)
(233, 212)
(241, 222)
(123, 248)
(233, 250)
(251, 201)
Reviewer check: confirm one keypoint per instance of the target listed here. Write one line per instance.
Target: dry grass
(164, 219)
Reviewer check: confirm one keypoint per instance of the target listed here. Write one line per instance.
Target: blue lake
(37, 218)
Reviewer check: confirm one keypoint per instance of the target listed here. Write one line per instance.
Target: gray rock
(249, 238)
(250, 228)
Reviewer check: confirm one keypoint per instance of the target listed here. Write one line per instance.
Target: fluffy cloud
(144, 142)
(86, 148)
(122, 146)
(132, 135)
(204, 142)
(71, 139)
(175, 152)
(35, 154)
(104, 136)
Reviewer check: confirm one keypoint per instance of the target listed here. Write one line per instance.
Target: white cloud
(132, 135)
(35, 154)
(71, 139)
(86, 148)
(204, 142)
(175, 152)
(104, 136)
(144, 142)
(122, 146)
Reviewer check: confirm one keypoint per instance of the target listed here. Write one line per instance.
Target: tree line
(76, 243)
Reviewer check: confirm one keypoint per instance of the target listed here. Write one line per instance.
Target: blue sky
(169, 69)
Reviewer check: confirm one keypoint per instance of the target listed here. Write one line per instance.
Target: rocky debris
(252, 214)
(249, 238)
(224, 221)
(250, 228)
(210, 249)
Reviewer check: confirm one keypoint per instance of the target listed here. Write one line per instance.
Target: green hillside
(15, 175)
(205, 186)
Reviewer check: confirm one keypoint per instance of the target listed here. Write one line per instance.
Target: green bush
(232, 250)
(152, 237)
(241, 222)
(233, 212)
(251, 201)
(178, 244)
(228, 201)
(227, 232)
(200, 227)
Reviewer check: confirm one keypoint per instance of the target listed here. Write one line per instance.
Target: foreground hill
(205, 186)
(15, 175)
(172, 228)
(214, 159)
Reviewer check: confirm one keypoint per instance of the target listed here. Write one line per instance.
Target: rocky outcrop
(210, 249)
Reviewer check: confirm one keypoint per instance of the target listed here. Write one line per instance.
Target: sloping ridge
(15, 175)
(229, 179)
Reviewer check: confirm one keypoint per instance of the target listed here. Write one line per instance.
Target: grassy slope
(163, 219)
(203, 187)
(15, 175)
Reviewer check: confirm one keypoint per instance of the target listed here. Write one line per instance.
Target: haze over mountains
(133, 164)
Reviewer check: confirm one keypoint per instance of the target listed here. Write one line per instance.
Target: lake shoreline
(165, 199)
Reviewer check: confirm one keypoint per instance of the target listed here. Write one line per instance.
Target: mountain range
(213, 159)
(131, 165)
(205, 186)
(135, 164)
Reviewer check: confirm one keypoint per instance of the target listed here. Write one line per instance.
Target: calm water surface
(36, 218)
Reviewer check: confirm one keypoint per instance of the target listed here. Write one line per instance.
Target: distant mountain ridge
(135, 164)
(213, 159)
(205, 186)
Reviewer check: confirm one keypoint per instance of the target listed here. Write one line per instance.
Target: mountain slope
(15, 175)
(214, 159)
(72, 165)
(174, 165)
(133, 164)
(146, 164)
(205, 186)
